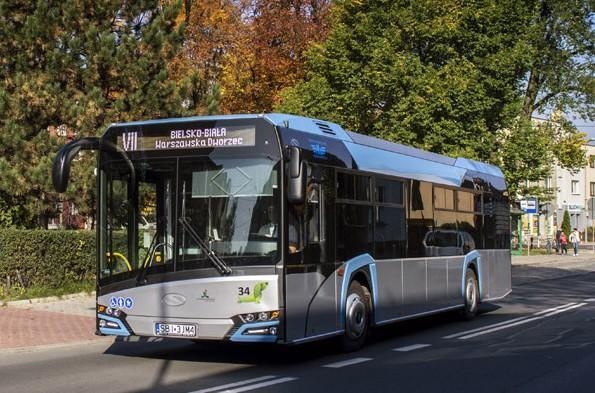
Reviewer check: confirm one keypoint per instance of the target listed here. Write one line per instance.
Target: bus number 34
(243, 291)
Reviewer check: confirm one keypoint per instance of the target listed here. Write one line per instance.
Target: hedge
(46, 257)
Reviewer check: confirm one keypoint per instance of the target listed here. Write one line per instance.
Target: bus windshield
(183, 208)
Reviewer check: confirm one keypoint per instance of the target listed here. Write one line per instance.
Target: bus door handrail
(140, 278)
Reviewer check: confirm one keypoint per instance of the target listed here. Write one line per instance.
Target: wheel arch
(363, 270)
(473, 261)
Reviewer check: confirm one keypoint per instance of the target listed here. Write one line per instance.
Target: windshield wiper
(217, 262)
(140, 277)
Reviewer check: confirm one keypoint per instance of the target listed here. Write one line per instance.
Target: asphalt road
(539, 339)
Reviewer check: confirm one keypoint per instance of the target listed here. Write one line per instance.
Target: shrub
(46, 258)
(566, 223)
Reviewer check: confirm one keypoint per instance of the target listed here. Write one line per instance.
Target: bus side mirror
(61, 165)
(296, 184)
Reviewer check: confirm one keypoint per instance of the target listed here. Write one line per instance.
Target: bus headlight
(261, 316)
(261, 331)
(108, 324)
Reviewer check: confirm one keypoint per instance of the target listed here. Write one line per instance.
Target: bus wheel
(471, 295)
(357, 317)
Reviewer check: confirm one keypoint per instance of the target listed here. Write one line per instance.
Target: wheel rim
(356, 317)
(471, 295)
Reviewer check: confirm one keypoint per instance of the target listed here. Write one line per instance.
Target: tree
(566, 223)
(446, 76)
(528, 150)
(269, 54)
(83, 65)
(559, 79)
(562, 47)
(213, 29)
(436, 75)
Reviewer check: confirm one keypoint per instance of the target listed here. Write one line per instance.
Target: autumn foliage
(238, 55)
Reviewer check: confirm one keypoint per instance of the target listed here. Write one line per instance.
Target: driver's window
(307, 223)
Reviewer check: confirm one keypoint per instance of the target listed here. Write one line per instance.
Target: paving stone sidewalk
(50, 321)
(527, 269)
(585, 256)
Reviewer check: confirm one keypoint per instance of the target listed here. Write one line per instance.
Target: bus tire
(471, 295)
(357, 317)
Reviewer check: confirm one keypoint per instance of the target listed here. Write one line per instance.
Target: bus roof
(369, 153)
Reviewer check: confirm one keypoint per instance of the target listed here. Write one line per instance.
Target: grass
(537, 251)
(37, 291)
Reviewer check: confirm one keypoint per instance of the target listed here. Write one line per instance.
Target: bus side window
(313, 216)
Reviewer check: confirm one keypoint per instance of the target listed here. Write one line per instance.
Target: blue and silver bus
(285, 229)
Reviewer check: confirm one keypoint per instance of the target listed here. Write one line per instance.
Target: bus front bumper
(194, 329)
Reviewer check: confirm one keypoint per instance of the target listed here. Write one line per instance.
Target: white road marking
(522, 322)
(592, 299)
(232, 385)
(347, 362)
(566, 309)
(411, 347)
(260, 385)
(484, 327)
(506, 322)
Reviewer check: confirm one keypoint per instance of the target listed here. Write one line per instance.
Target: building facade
(590, 186)
(571, 191)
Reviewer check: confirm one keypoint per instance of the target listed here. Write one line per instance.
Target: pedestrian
(563, 244)
(575, 239)
(558, 247)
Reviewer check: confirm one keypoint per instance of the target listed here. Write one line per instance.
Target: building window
(592, 187)
(592, 161)
(548, 183)
(574, 186)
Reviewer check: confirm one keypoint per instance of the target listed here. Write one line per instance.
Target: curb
(49, 299)
(563, 261)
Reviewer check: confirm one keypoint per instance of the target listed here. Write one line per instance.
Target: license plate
(175, 329)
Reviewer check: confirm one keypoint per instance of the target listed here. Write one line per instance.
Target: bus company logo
(205, 296)
(130, 141)
(318, 149)
(174, 299)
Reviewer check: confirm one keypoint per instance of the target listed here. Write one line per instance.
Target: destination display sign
(189, 138)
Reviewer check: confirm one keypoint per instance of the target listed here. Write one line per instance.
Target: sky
(587, 127)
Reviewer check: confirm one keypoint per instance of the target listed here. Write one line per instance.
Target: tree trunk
(531, 93)
(44, 220)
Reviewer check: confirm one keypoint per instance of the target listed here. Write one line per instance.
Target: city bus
(285, 229)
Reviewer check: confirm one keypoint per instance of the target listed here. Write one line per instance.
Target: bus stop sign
(529, 205)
